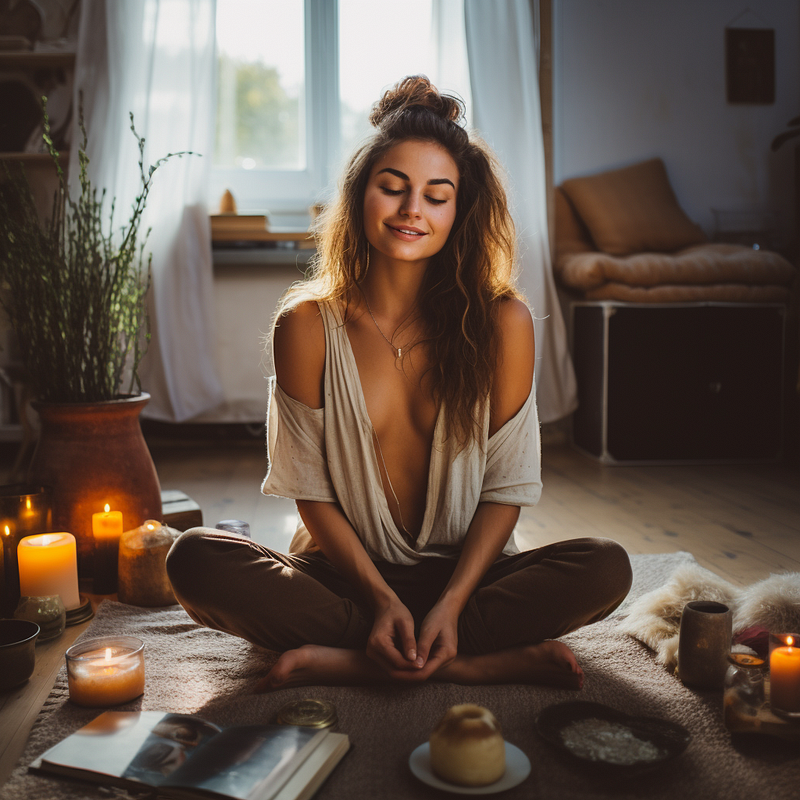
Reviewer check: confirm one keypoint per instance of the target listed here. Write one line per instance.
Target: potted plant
(75, 293)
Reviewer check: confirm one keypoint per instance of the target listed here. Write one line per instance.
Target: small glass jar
(743, 694)
(47, 612)
(106, 671)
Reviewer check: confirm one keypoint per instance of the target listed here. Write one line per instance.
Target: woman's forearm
(488, 533)
(337, 539)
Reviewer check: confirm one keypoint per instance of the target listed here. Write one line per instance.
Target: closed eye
(435, 200)
(391, 191)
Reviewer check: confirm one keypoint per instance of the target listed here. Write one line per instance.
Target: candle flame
(790, 640)
(28, 503)
(108, 654)
(108, 508)
(7, 531)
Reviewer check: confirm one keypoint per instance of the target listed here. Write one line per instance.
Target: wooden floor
(741, 521)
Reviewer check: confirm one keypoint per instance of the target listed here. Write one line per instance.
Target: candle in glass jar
(106, 671)
(10, 593)
(784, 676)
(48, 564)
(106, 528)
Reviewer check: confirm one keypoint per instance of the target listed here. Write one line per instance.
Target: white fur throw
(654, 619)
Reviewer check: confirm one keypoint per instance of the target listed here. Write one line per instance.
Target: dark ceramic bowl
(615, 744)
(17, 657)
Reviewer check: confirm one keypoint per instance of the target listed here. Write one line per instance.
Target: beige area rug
(196, 670)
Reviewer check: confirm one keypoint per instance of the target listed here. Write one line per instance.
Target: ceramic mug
(704, 644)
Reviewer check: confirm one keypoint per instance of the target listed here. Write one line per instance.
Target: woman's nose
(411, 205)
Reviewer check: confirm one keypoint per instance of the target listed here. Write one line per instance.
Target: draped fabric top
(327, 455)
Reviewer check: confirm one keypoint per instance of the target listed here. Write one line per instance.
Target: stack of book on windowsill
(184, 756)
(238, 227)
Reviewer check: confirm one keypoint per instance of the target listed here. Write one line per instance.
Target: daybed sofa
(621, 235)
(678, 343)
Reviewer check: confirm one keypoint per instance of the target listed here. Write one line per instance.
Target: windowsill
(261, 256)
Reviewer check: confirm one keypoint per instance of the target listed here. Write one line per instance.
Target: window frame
(292, 191)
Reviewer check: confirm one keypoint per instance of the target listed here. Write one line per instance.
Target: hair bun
(416, 91)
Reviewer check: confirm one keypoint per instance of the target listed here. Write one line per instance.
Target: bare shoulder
(516, 356)
(299, 351)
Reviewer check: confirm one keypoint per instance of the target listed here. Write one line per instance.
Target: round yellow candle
(784, 677)
(48, 564)
(107, 524)
(106, 677)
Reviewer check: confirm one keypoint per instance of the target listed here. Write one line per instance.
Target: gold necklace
(391, 486)
(398, 351)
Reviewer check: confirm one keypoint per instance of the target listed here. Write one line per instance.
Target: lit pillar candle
(784, 677)
(106, 528)
(48, 564)
(106, 671)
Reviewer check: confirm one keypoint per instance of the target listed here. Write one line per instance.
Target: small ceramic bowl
(17, 652)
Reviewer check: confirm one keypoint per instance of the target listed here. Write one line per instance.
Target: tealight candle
(105, 671)
(106, 528)
(48, 564)
(784, 675)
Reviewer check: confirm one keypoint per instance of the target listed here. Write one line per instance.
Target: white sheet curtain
(156, 58)
(503, 67)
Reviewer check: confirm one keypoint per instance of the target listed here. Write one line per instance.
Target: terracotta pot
(91, 454)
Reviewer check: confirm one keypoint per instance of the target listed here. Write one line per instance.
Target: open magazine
(185, 756)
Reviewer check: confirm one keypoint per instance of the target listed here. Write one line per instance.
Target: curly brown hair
(465, 281)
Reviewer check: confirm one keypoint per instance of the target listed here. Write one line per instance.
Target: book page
(252, 761)
(110, 744)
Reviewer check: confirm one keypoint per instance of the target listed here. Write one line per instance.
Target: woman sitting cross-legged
(402, 420)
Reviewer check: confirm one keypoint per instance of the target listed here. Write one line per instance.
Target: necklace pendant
(400, 353)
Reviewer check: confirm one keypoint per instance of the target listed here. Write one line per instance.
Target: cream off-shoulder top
(327, 455)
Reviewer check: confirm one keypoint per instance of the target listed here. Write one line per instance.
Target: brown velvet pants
(282, 601)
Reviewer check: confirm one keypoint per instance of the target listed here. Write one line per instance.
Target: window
(296, 80)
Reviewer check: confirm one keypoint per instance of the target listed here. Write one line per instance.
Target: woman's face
(410, 201)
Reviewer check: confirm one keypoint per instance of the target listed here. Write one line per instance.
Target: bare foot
(548, 663)
(315, 665)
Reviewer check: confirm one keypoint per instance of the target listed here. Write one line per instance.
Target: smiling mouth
(406, 231)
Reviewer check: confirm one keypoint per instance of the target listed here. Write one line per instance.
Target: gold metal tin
(308, 712)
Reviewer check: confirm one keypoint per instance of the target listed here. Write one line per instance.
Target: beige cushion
(711, 293)
(572, 236)
(698, 265)
(632, 210)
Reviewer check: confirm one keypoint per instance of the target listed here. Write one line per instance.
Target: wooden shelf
(260, 256)
(304, 239)
(29, 59)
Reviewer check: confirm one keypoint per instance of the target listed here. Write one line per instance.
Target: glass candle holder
(106, 671)
(47, 612)
(25, 509)
(743, 695)
(784, 674)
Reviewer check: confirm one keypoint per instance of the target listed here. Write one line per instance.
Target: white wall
(635, 79)
(245, 299)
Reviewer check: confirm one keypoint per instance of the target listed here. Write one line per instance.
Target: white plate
(517, 769)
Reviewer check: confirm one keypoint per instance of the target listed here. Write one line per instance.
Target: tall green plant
(74, 289)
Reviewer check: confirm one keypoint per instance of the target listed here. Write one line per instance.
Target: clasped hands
(393, 646)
